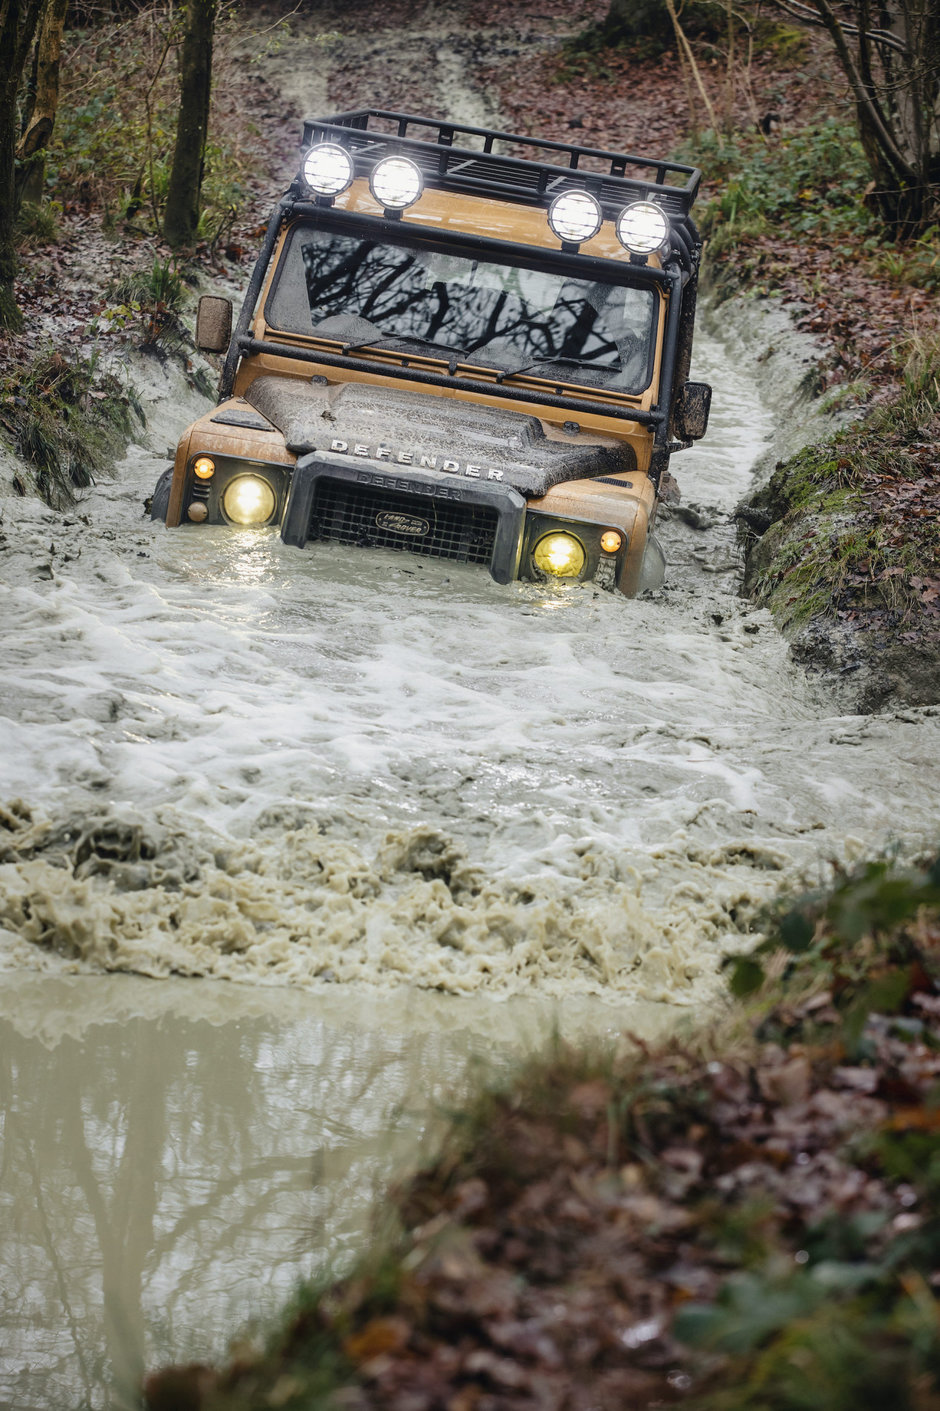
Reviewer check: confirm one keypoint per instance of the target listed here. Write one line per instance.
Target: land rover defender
(459, 343)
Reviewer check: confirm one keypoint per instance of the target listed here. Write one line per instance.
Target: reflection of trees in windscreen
(509, 316)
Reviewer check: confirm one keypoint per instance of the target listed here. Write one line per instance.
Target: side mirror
(690, 418)
(213, 324)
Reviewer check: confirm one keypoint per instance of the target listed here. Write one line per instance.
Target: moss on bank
(850, 562)
(843, 545)
(749, 1219)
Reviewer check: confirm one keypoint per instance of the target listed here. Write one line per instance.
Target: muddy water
(266, 765)
(177, 1156)
(413, 815)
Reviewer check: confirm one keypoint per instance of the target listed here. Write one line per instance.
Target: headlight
(642, 227)
(575, 216)
(328, 169)
(248, 500)
(561, 555)
(396, 183)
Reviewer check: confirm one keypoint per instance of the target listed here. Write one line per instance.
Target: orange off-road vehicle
(460, 343)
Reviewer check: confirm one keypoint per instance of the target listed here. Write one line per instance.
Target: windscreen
(499, 315)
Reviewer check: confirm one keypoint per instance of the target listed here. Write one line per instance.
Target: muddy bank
(847, 560)
(843, 546)
(840, 528)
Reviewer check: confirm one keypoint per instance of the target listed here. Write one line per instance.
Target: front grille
(374, 518)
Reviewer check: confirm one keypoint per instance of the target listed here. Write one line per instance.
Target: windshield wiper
(412, 338)
(541, 362)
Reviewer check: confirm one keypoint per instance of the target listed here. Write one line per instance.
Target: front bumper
(431, 513)
(426, 512)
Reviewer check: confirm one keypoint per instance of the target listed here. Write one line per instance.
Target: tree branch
(686, 49)
(863, 97)
(806, 13)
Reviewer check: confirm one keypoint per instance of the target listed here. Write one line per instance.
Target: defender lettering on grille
(389, 482)
(401, 523)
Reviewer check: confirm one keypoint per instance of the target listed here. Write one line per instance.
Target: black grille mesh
(351, 514)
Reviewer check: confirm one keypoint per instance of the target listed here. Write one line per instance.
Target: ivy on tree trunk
(18, 21)
(181, 216)
(31, 149)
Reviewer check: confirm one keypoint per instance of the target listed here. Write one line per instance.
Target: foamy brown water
(334, 766)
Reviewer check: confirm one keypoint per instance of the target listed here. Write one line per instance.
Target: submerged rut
(240, 760)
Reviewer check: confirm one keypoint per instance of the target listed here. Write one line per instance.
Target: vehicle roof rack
(481, 164)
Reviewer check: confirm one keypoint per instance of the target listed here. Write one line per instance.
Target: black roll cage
(483, 171)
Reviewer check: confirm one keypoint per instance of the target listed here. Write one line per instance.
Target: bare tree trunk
(18, 21)
(890, 54)
(181, 217)
(31, 149)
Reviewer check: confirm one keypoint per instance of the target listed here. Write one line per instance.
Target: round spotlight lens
(198, 512)
(204, 467)
(559, 555)
(396, 183)
(328, 169)
(611, 541)
(248, 500)
(575, 216)
(642, 227)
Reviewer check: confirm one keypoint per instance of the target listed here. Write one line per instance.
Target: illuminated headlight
(328, 169)
(396, 183)
(642, 228)
(248, 500)
(575, 216)
(560, 555)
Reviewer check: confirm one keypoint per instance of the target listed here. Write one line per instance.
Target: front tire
(160, 499)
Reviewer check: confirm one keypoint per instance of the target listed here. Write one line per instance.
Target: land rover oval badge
(402, 523)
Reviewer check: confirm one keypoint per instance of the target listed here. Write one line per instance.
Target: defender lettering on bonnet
(422, 462)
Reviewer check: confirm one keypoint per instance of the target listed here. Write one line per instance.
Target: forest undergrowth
(97, 281)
